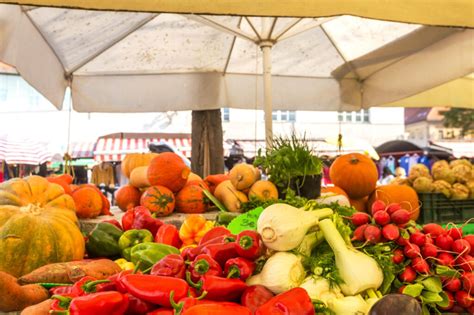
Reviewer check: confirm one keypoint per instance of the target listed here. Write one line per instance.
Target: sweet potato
(38, 309)
(14, 297)
(70, 272)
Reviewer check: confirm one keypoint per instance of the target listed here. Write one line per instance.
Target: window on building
(284, 115)
(225, 114)
(362, 116)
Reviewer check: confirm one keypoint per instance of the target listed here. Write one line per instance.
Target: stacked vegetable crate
(437, 208)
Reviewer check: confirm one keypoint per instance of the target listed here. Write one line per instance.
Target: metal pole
(267, 90)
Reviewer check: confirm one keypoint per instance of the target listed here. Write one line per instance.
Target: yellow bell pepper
(124, 264)
(193, 229)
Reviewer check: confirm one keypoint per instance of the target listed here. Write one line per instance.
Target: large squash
(38, 225)
(355, 173)
(134, 160)
(168, 169)
(402, 194)
(191, 199)
(159, 200)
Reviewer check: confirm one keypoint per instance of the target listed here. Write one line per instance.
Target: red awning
(84, 150)
(23, 151)
(114, 147)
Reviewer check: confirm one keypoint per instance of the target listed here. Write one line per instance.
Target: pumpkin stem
(354, 160)
(32, 209)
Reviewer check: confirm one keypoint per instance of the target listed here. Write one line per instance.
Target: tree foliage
(459, 118)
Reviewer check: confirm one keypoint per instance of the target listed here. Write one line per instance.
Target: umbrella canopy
(23, 151)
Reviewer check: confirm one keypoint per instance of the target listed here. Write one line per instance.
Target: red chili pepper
(168, 234)
(217, 288)
(114, 222)
(293, 302)
(204, 265)
(187, 302)
(155, 289)
(162, 311)
(225, 308)
(255, 296)
(239, 268)
(119, 278)
(86, 285)
(221, 252)
(213, 233)
(137, 306)
(249, 245)
(110, 303)
(170, 266)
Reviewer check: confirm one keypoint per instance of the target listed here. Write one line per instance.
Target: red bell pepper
(249, 245)
(155, 289)
(213, 233)
(217, 288)
(218, 309)
(204, 265)
(221, 252)
(255, 296)
(187, 302)
(190, 253)
(118, 280)
(114, 222)
(170, 266)
(86, 285)
(65, 290)
(162, 311)
(127, 219)
(110, 303)
(239, 268)
(168, 234)
(140, 218)
(60, 303)
(293, 302)
(137, 306)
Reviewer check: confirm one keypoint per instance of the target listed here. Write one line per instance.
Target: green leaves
(413, 290)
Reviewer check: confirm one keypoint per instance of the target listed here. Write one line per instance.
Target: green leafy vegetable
(413, 290)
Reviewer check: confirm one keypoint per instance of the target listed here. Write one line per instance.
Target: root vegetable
(372, 234)
(411, 250)
(444, 242)
(470, 239)
(445, 259)
(400, 217)
(452, 284)
(461, 246)
(391, 232)
(359, 233)
(391, 208)
(465, 262)
(408, 275)
(433, 229)
(38, 309)
(451, 302)
(398, 256)
(429, 251)
(15, 297)
(418, 238)
(360, 218)
(382, 218)
(378, 205)
(420, 265)
(402, 241)
(467, 280)
(463, 298)
(455, 233)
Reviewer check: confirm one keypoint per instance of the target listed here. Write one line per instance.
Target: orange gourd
(359, 204)
(127, 197)
(88, 202)
(402, 194)
(355, 173)
(334, 189)
(191, 199)
(159, 200)
(168, 169)
(134, 160)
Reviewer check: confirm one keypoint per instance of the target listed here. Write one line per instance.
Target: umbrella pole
(266, 47)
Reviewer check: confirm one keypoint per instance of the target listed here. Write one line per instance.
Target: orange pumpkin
(134, 160)
(359, 204)
(88, 202)
(191, 199)
(105, 202)
(127, 197)
(159, 200)
(60, 181)
(355, 173)
(334, 189)
(168, 169)
(402, 194)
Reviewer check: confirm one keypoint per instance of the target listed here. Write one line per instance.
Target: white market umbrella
(141, 62)
(15, 150)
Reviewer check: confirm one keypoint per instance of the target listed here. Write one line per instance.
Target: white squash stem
(283, 227)
(358, 271)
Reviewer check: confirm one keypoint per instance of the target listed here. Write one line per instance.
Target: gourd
(334, 189)
(90, 202)
(38, 225)
(229, 195)
(402, 194)
(191, 199)
(159, 200)
(263, 190)
(168, 169)
(134, 160)
(139, 177)
(355, 173)
(127, 197)
(243, 175)
(359, 204)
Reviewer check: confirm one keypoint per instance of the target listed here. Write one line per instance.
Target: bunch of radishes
(384, 225)
(434, 246)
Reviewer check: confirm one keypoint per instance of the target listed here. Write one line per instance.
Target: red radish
(461, 246)
(401, 216)
(429, 251)
(429, 240)
(445, 259)
(451, 302)
(465, 262)
(398, 257)
(470, 239)
(418, 238)
(452, 284)
(467, 280)
(408, 275)
(455, 233)
(444, 241)
(411, 250)
(463, 298)
(359, 233)
(420, 265)
(382, 218)
(378, 205)
(433, 229)
(360, 218)
(391, 232)
(470, 309)
(391, 208)
(372, 234)
(400, 289)
(402, 241)
(457, 309)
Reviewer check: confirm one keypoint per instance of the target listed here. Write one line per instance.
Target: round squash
(263, 190)
(89, 201)
(402, 194)
(159, 200)
(193, 177)
(243, 176)
(127, 197)
(38, 225)
(134, 160)
(139, 178)
(168, 169)
(359, 204)
(355, 173)
(191, 199)
(334, 189)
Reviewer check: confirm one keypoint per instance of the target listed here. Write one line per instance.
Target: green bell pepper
(148, 254)
(131, 238)
(102, 241)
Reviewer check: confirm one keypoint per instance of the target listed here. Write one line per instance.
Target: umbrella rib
(214, 24)
(310, 26)
(287, 28)
(231, 49)
(253, 28)
(111, 44)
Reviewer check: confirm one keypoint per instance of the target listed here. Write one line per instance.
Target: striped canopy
(23, 151)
